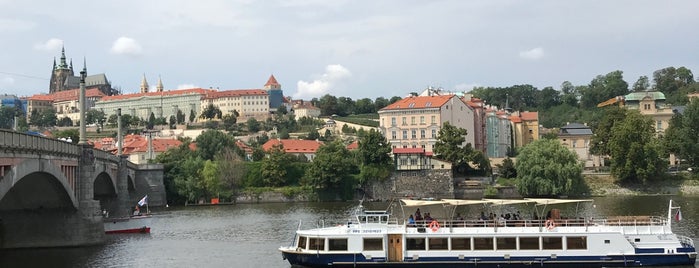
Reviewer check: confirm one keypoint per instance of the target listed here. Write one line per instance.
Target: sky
(352, 48)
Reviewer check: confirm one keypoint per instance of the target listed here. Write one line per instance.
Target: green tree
(151, 121)
(94, 116)
(546, 168)
(230, 121)
(180, 117)
(635, 150)
(232, 169)
(192, 116)
(7, 117)
(313, 135)
(253, 125)
(174, 172)
(604, 87)
(375, 157)
(330, 168)
(43, 118)
(450, 143)
(599, 144)
(507, 168)
(682, 137)
(173, 122)
(274, 167)
(64, 122)
(189, 182)
(211, 176)
(641, 84)
(210, 112)
(211, 142)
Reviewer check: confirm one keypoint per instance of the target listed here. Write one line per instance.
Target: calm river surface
(248, 235)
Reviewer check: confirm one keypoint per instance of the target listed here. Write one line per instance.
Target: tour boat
(375, 239)
(125, 225)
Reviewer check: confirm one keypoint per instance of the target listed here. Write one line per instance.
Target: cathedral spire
(71, 65)
(63, 58)
(54, 63)
(144, 84)
(159, 88)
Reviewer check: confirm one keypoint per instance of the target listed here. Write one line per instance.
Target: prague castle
(63, 78)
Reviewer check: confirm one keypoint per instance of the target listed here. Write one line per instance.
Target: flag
(143, 201)
(678, 215)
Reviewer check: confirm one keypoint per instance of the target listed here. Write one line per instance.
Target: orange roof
(234, 93)
(515, 119)
(65, 95)
(243, 146)
(272, 81)
(530, 116)
(200, 91)
(141, 145)
(293, 146)
(419, 102)
(353, 145)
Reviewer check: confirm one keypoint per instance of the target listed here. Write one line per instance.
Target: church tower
(60, 73)
(144, 85)
(159, 87)
(274, 89)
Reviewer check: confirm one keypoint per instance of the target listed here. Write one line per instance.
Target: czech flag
(678, 215)
(143, 201)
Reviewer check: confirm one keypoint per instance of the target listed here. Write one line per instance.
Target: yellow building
(414, 121)
(651, 103)
(249, 103)
(525, 127)
(576, 137)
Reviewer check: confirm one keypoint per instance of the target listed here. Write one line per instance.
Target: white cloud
(532, 54)
(186, 86)
(50, 45)
(126, 46)
(334, 74)
(6, 81)
(465, 87)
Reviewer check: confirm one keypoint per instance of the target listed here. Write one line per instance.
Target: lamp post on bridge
(119, 138)
(83, 74)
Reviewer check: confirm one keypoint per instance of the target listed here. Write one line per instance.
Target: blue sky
(345, 48)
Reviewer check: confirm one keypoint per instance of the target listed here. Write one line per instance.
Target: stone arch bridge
(54, 193)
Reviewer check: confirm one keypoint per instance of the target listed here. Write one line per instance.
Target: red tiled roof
(515, 119)
(200, 91)
(474, 102)
(243, 146)
(272, 81)
(40, 97)
(234, 93)
(353, 145)
(408, 150)
(530, 116)
(67, 95)
(293, 146)
(419, 102)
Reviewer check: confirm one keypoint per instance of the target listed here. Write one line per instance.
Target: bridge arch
(34, 184)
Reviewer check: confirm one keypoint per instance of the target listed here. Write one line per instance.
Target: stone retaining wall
(418, 184)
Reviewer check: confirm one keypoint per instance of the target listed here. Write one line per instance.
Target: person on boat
(411, 221)
(137, 211)
(483, 217)
(428, 218)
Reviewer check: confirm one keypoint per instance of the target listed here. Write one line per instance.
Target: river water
(248, 235)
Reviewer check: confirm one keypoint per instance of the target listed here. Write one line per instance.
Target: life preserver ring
(550, 224)
(434, 225)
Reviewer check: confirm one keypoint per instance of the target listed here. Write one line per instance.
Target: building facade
(576, 137)
(415, 121)
(161, 104)
(274, 90)
(651, 103)
(249, 103)
(525, 127)
(498, 133)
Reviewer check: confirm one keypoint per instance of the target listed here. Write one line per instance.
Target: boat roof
(552, 201)
(492, 202)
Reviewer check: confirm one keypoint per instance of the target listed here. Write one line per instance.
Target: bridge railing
(105, 156)
(21, 141)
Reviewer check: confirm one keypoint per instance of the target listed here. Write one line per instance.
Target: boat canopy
(552, 201)
(418, 203)
(505, 202)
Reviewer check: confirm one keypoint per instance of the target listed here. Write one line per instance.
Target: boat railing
(565, 222)
(685, 241)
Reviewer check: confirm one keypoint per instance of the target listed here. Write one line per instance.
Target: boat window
(461, 243)
(438, 243)
(316, 244)
(302, 242)
(415, 243)
(483, 243)
(552, 242)
(576, 242)
(337, 244)
(529, 243)
(373, 244)
(506, 242)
